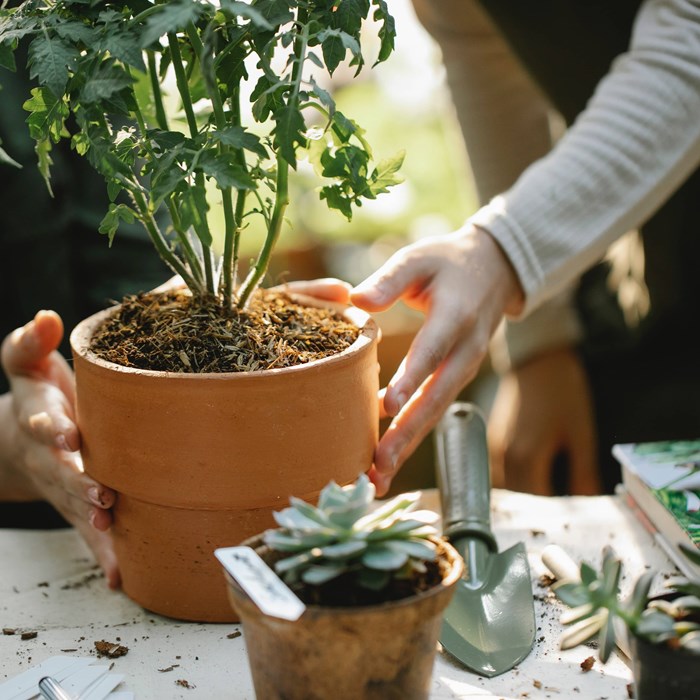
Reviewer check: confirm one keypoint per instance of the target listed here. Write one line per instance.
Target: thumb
(389, 283)
(26, 349)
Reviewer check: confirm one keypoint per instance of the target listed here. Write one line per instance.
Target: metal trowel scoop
(490, 624)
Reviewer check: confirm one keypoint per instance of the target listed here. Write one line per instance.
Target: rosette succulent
(673, 619)
(344, 534)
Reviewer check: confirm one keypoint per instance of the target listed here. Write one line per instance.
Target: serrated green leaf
(125, 47)
(387, 32)
(171, 17)
(244, 10)
(384, 175)
(48, 114)
(7, 57)
(50, 60)
(225, 170)
(43, 152)
(238, 137)
(76, 32)
(106, 82)
(115, 214)
(336, 198)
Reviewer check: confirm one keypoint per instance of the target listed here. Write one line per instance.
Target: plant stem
(231, 220)
(281, 202)
(183, 89)
(159, 240)
(155, 89)
(282, 186)
(188, 251)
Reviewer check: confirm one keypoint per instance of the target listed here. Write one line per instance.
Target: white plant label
(265, 588)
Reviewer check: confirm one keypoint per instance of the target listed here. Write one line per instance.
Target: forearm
(636, 142)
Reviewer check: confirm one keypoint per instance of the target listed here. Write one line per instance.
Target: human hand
(326, 289)
(463, 283)
(39, 439)
(542, 409)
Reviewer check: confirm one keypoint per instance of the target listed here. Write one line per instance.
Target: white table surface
(49, 584)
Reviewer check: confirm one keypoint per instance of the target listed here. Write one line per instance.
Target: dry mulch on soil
(174, 332)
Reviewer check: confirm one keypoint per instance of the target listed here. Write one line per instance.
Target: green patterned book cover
(663, 478)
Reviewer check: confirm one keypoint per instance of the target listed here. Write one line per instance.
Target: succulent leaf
(343, 534)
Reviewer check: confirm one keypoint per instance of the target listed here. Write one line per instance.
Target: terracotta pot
(381, 652)
(200, 461)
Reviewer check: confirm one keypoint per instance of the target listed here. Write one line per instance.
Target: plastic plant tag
(265, 588)
(78, 675)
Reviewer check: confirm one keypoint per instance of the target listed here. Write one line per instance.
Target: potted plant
(663, 631)
(374, 582)
(204, 407)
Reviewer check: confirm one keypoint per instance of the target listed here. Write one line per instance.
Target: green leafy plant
(167, 98)
(344, 535)
(595, 605)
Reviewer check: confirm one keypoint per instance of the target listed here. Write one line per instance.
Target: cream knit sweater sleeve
(634, 144)
(504, 119)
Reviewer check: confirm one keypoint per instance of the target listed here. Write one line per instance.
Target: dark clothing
(645, 380)
(52, 254)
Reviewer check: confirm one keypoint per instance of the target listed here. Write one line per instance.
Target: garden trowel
(490, 624)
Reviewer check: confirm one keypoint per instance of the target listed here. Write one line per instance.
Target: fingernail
(94, 495)
(62, 443)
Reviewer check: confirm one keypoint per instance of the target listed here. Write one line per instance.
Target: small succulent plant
(595, 605)
(345, 535)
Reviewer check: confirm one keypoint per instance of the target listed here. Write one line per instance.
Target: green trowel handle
(463, 474)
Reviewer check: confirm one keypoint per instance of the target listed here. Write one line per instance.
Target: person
(52, 257)
(39, 440)
(626, 78)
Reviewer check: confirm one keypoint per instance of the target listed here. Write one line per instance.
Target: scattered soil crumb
(88, 578)
(587, 664)
(169, 668)
(234, 635)
(66, 651)
(546, 580)
(537, 533)
(537, 684)
(184, 684)
(8, 630)
(43, 584)
(111, 650)
(29, 635)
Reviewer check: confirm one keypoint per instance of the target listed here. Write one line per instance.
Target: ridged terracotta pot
(379, 652)
(200, 461)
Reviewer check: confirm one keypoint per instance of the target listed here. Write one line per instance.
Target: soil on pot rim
(175, 332)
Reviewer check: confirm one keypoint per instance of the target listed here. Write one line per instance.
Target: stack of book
(661, 484)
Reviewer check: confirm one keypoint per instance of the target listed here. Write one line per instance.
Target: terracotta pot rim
(455, 573)
(82, 333)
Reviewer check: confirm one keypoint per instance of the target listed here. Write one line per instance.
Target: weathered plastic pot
(379, 652)
(661, 672)
(200, 461)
